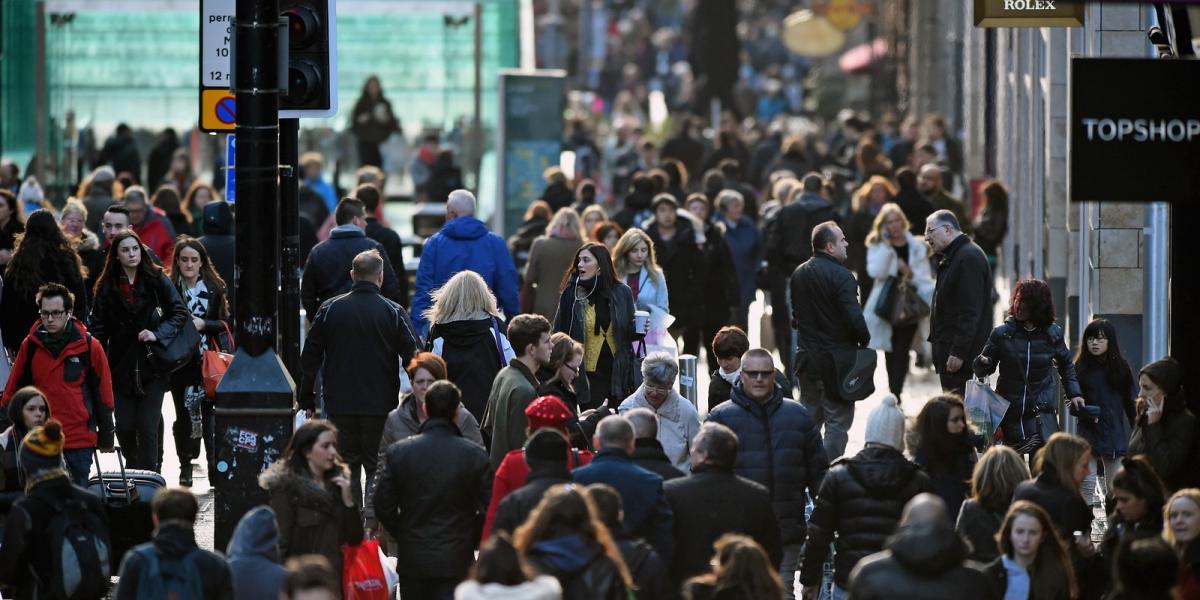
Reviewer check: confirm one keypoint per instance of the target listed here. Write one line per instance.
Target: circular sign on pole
(226, 110)
(810, 35)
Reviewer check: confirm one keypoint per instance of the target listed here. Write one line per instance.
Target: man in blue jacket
(647, 512)
(464, 244)
(780, 448)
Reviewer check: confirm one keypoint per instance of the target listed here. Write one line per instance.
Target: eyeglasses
(574, 369)
(52, 314)
(935, 228)
(758, 374)
(659, 391)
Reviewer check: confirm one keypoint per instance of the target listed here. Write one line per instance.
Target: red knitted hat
(547, 411)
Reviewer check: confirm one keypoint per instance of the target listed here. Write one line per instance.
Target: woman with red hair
(1027, 348)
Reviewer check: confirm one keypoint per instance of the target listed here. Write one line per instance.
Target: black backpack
(80, 552)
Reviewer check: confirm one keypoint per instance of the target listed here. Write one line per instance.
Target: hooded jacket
(218, 239)
(861, 500)
(327, 271)
(678, 423)
(582, 568)
(465, 244)
(431, 507)
(174, 540)
(923, 561)
(1027, 360)
(84, 407)
(254, 556)
(779, 446)
(311, 516)
(474, 350)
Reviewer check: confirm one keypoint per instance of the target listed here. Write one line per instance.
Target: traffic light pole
(254, 403)
(289, 252)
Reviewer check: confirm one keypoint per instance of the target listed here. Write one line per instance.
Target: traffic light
(312, 59)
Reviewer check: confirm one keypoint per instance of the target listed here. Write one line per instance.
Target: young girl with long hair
(637, 266)
(1033, 560)
(944, 450)
(596, 310)
(1138, 499)
(136, 305)
(1108, 386)
(565, 525)
(205, 295)
(741, 569)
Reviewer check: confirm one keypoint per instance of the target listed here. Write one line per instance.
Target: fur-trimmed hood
(279, 479)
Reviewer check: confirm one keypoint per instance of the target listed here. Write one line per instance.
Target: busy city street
(598, 299)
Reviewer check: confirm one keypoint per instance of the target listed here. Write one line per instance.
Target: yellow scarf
(595, 343)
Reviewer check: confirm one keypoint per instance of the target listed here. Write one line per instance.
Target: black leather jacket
(825, 312)
(1027, 360)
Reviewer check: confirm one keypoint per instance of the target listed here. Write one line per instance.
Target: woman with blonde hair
(550, 257)
(996, 476)
(565, 538)
(592, 216)
(894, 252)
(1181, 529)
(1033, 560)
(865, 205)
(558, 377)
(1060, 468)
(637, 267)
(73, 221)
(467, 331)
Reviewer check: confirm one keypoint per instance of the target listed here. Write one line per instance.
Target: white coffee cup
(641, 321)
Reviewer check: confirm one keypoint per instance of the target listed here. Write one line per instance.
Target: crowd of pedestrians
(523, 401)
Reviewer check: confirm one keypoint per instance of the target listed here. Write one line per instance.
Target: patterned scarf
(196, 299)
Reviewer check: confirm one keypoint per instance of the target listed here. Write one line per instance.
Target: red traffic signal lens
(304, 26)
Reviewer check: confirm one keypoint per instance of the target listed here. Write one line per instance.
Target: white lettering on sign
(1141, 130)
(216, 35)
(1029, 4)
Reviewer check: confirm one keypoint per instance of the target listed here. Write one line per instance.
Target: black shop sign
(1135, 130)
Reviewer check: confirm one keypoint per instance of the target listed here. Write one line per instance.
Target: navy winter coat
(779, 447)
(647, 512)
(327, 270)
(1027, 360)
(1111, 435)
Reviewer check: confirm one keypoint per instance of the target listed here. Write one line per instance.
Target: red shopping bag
(362, 572)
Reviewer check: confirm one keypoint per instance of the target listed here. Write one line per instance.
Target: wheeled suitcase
(126, 495)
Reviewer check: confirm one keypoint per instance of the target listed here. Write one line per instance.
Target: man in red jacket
(154, 228)
(61, 359)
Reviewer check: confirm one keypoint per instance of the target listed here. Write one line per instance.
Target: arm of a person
(175, 313)
(502, 486)
(766, 531)
(974, 298)
(851, 310)
(311, 359)
(308, 289)
(1168, 453)
(424, 285)
(991, 352)
(391, 283)
(16, 374)
(285, 517)
(820, 534)
(922, 273)
(507, 287)
(881, 261)
(1066, 369)
(386, 501)
(517, 423)
(104, 412)
(351, 526)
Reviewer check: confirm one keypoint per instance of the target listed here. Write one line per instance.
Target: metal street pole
(289, 251)
(254, 400)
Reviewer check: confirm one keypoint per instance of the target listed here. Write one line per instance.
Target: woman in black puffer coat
(1027, 348)
(680, 254)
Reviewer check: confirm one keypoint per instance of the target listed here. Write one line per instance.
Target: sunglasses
(759, 374)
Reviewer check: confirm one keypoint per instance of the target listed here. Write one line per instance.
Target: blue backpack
(163, 577)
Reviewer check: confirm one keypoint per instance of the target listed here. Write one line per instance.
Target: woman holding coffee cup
(596, 310)
(637, 267)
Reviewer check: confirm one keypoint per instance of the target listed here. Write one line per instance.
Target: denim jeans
(79, 464)
(836, 416)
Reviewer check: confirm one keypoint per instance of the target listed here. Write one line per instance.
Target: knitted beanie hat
(885, 424)
(42, 448)
(547, 445)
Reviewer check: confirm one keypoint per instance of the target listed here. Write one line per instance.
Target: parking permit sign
(217, 109)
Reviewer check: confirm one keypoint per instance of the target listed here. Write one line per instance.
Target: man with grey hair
(678, 420)
(647, 514)
(464, 244)
(358, 342)
(713, 501)
(155, 229)
(960, 316)
(925, 558)
(647, 450)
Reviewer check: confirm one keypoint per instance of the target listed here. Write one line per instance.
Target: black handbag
(908, 307)
(885, 306)
(168, 356)
(854, 371)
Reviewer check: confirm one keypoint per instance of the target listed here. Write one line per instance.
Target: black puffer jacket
(1027, 360)
(115, 324)
(960, 317)
(430, 507)
(682, 262)
(780, 448)
(922, 562)
(472, 357)
(826, 315)
(861, 501)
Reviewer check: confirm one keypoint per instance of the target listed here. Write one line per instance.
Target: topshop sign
(1135, 130)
